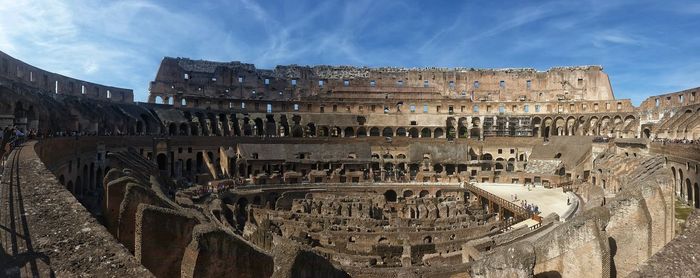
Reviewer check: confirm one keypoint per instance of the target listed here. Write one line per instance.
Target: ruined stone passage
(339, 171)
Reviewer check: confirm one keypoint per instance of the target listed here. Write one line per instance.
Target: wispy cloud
(122, 42)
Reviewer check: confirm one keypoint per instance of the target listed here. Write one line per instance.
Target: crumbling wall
(560, 253)
(293, 260)
(216, 253)
(134, 196)
(517, 260)
(162, 235)
(629, 231)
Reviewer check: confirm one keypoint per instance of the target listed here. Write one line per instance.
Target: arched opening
(400, 132)
(184, 129)
(438, 133)
(297, 131)
(361, 132)
(697, 195)
(475, 132)
(388, 132)
(78, 191)
(172, 129)
(463, 132)
(194, 129)
(390, 196)
(451, 133)
(374, 131)
(139, 127)
(689, 191)
(413, 132)
(423, 193)
(349, 132)
(162, 160)
(427, 239)
(647, 133)
(408, 194)
(311, 129)
(426, 133)
(99, 179)
(259, 127)
(675, 180)
(323, 132)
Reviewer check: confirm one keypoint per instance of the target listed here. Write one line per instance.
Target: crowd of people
(9, 139)
(532, 208)
(677, 141)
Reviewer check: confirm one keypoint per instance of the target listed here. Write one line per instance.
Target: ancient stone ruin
(341, 171)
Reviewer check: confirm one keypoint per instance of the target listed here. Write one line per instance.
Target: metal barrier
(520, 212)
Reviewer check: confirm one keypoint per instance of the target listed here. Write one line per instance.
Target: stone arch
(680, 183)
(689, 191)
(311, 129)
(297, 131)
(374, 131)
(438, 133)
(423, 193)
(162, 161)
(259, 127)
(535, 123)
(390, 196)
(323, 131)
(78, 189)
(401, 132)
(426, 133)
(450, 169)
(696, 189)
(387, 132)
(675, 180)
(184, 129)
(361, 131)
(172, 129)
(413, 132)
(349, 132)
(571, 126)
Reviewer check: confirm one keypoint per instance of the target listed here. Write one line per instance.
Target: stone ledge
(64, 235)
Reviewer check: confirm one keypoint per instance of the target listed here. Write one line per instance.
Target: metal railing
(520, 212)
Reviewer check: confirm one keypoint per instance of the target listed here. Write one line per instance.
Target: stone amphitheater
(341, 171)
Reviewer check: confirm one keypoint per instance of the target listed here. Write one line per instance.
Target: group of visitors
(524, 204)
(9, 139)
(677, 141)
(529, 207)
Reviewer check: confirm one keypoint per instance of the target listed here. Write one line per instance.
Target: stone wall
(22, 76)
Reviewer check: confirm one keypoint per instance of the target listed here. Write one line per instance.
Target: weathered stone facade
(340, 171)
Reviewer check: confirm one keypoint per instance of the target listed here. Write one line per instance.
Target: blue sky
(646, 47)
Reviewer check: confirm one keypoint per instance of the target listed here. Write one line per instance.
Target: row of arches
(608, 125)
(686, 186)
